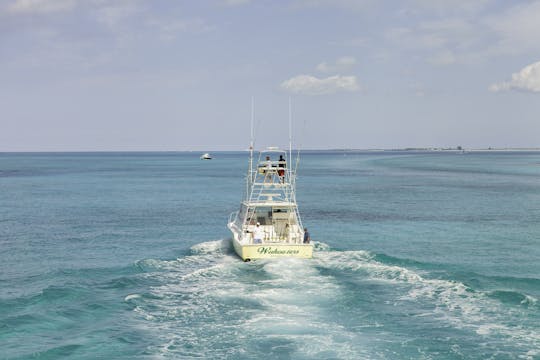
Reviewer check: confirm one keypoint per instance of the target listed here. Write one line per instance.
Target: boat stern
(265, 251)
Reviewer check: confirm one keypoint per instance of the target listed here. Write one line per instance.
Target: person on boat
(267, 170)
(282, 165)
(307, 238)
(258, 234)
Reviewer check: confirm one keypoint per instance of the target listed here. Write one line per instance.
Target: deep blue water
(127, 256)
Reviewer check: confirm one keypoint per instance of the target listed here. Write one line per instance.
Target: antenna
(252, 119)
(290, 130)
(250, 172)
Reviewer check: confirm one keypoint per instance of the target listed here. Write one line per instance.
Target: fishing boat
(206, 156)
(268, 224)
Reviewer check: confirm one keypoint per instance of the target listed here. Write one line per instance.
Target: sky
(119, 75)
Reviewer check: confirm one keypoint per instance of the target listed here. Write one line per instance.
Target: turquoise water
(127, 256)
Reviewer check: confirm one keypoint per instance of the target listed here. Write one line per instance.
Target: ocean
(418, 255)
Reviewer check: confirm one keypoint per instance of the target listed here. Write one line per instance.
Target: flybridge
(272, 179)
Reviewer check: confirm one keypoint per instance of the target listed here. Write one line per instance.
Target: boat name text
(273, 251)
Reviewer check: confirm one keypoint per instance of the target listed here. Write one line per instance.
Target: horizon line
(409, 148)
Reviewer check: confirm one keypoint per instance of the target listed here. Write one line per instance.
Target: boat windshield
(267, 215)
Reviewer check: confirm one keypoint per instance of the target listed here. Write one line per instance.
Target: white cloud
(311, 85)
(40, 6)
(527, 79)
(341, 64)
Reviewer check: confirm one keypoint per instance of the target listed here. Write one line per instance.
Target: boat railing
(233, 216)
(292, 237)
(271, 236)
(269, 185)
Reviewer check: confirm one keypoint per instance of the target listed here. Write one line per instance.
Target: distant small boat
(206, 156)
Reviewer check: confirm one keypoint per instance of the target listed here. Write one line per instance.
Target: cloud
(527, 79)
(311, 85)
(516, 29)
(341, 64)
(440, 42)
(473, 34)
(40, 6)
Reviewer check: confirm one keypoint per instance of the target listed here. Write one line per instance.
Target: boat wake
(450, 303)
(340, 304)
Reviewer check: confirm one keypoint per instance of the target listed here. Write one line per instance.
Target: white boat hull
(270, 250)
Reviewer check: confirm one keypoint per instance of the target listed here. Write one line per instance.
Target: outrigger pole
(250, 172)
(290, 143)
(290, 136)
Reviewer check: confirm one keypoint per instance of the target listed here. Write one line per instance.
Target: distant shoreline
(442, 149)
